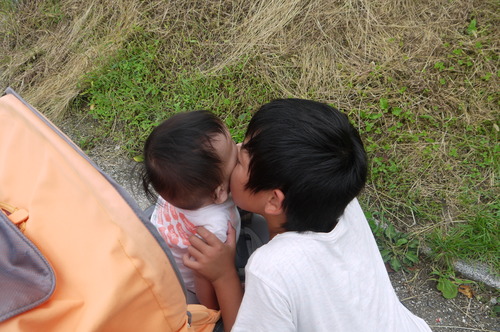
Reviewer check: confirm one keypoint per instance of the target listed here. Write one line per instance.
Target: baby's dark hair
(180, 162)
(312, 153)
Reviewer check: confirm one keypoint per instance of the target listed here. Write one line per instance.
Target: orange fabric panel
(203, 319)
(111, 275)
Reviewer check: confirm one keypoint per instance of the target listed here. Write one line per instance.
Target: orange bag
(106, 266)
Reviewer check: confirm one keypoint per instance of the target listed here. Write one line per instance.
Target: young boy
(301, 166)
(188, 160)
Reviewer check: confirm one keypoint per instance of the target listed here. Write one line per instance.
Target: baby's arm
(205, 292)
(215, 261)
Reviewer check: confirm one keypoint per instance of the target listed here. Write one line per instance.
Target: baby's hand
(213, 259)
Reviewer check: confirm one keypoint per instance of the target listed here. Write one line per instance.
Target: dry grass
(48, 46)
(349, 53)
(305, 47)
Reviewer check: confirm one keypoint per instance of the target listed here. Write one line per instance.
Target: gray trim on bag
(21, 255)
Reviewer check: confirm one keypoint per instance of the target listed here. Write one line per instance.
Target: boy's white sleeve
(262, 309)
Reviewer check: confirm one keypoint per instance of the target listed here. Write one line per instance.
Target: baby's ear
(274, 202)
(220, 194)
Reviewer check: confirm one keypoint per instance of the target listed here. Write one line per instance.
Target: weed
(475, 240)
(472, 28)
(87, 143)
(448, 284)
(398, 249)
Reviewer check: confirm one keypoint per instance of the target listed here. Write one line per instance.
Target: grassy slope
(419, 78)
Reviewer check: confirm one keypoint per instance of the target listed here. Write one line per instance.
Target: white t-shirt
(333, 281)
(177, 225)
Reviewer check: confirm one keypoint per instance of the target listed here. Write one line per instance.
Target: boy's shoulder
(283, 251)
(293, 249)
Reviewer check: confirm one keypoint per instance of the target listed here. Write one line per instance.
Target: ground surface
(419, 294)
(415, 289)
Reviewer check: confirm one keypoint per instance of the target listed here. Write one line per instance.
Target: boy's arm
(205, 292)
(214, 260)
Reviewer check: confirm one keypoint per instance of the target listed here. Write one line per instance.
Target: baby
(188, 161)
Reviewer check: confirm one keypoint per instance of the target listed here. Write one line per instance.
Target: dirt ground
(419, 294)
(415, 289)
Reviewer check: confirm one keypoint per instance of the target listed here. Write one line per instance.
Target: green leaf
(244, 116)
(395, 264)
(463, 281)
(472, 28)
(401, 241)
(386, 254)
(439, 65)
(413, 244)
(390, 232)
(384, 104)
(447, 288)
(411, 256)
(486, 77)
(397, 111)
(139, 158)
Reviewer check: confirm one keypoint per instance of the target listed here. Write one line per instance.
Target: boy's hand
(213, 259)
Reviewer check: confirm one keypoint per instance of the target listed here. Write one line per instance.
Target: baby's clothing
(176, 225)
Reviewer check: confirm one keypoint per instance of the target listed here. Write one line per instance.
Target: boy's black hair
(312, 153)
(180, 162)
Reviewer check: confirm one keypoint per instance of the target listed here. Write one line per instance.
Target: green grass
(474, 240)
(134, 92)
